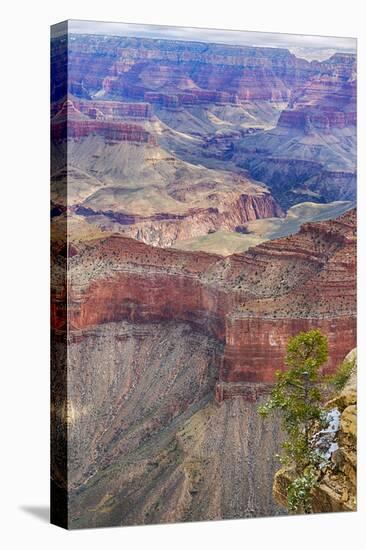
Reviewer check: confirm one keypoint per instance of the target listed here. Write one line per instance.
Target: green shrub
(297, 396)
(340, 378)
(299, 492)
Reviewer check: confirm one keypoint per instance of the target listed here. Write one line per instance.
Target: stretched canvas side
(59, 400)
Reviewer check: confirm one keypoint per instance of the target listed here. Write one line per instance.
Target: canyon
(147, 192)
(170, 353)
(188, 130)
(251, 302)
(202, 212)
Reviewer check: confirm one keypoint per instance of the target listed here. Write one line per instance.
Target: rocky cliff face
(70, 122)
(104, 109)
(161, 444)
(337, 485)
(318, 110)
(183, 73)
(165, 229)
(326, 101)
(252, 302)
(170, 354)
(179, 73)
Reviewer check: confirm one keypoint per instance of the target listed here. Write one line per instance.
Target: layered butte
(311, 152)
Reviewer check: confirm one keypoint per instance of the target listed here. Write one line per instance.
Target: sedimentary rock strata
(251, 302)
(70, 122)
(189, 72)
(288, 121)
(161, 355)
(165, 229)
(145, 192)
(171, 352)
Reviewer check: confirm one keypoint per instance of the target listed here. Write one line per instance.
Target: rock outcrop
(326, 102)
(70, 122)
(105, 110)
(165, 229)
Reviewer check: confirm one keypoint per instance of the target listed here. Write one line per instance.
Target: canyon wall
(109, 131)
(70, 122)
(252, 303)
(153, 334)
(121, 180)
(104, 109)
(299, 151)
(165, 229)
(255, 347)
(190, 72)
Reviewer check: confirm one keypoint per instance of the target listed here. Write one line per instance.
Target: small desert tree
(297, 396)
(340, 378)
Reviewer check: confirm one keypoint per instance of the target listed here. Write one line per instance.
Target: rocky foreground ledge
(336, 491)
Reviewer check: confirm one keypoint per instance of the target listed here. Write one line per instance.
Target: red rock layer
(303, 120)
(164, 229)
(110, 131)
(159, 297)
(71, 122)
(246, 208)
(325, 102)
(101, 109)
(255, 347)
(253, 302)
(115, 86)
